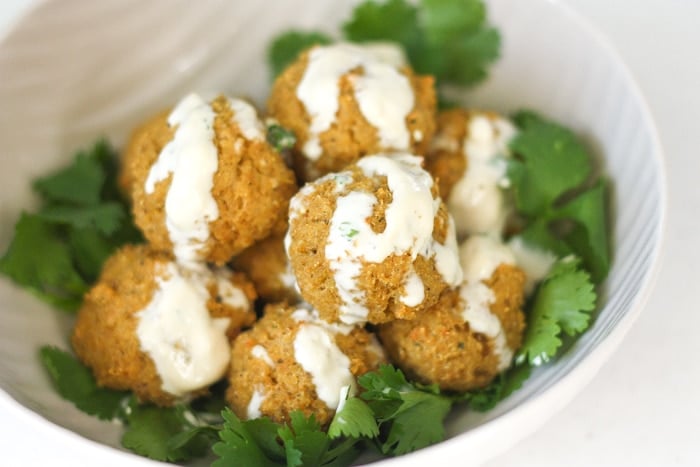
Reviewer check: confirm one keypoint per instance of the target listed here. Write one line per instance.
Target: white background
(641, 409)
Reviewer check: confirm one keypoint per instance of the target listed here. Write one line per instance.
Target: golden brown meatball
(266, 264)
(372, 243)
(291, 360)
(205, 183)
(370, 102)
(441, 347)
(109, 332)
(467, 160)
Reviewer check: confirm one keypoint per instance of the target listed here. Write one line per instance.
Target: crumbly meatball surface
(105, 334)
(251, 185)
(351, 135)
(266, 264)
(264, 365)
(378, 290)
(446, 160)
(440, 347)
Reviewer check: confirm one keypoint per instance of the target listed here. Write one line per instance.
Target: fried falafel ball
(345, 101)
(471, 334)
(205, 183)
(468, 159)
(372, 243)
(291, 360)
(163, 331)
(267, 266)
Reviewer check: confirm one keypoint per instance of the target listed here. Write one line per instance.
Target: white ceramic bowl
(73, 70)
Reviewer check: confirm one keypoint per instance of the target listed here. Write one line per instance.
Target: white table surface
(641, 409)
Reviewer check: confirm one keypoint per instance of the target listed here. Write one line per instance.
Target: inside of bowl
(74, 71)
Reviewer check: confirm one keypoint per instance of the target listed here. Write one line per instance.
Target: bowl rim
(545, 404)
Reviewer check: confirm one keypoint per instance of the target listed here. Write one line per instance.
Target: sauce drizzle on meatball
(384, 95)
(188, 347)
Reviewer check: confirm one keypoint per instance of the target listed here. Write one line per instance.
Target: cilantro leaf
(355, 420)
(469, 56)
(411, 417)
(75, 383)
(449, 39)
(238, 446)
(589, 237)
(393, 20)
(280, 138)
(58, 252)
(418, 423)
(105, 217)
(38, 260)
(163, 434)
(80, 183)
(287, 47)
(563, 302)
(89, 250)
(264, 432)
(304, 441)
(539, 233)
(551, 162)
(447, 19)
(548, 174)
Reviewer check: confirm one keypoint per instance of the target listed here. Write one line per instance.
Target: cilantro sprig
(564, 211)
(410, 417)
(449, 39)
(394, 414)
(563, 303)
(285, 48)
(75, 383)
(165, 434)
(58, 251)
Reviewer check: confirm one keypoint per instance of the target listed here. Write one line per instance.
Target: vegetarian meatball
(471, 334)
(291, 360)
(372, 243)
(266, 264)
(345, 101)
(205, 184)
(158, 329)
(468, 159)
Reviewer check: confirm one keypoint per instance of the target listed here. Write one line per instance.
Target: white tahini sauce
(260, 352)
(228, 293)
(317, 353)
(535, 262)
(384, 95)
(256, 400)
(476, 201)
(192, 159)
(246, 117)
(409, 230)
(189, 348)
(480, 256)
(414, 290)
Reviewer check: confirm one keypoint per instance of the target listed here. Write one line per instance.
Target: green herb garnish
(563, 302)
(58, 252)
(280, 138)
(75, 383)
(166, 434)
(286, 47)
(549, 174)
(449, 39)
